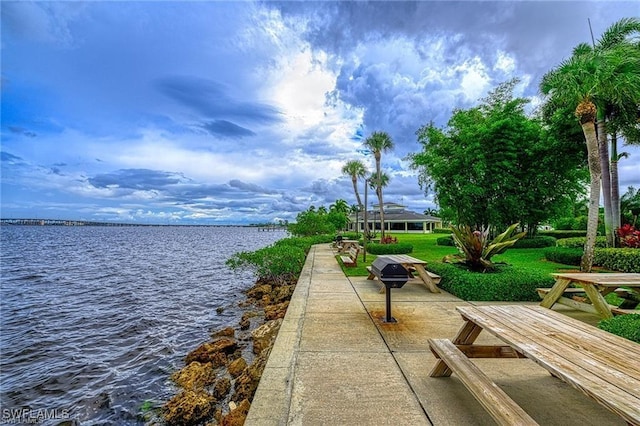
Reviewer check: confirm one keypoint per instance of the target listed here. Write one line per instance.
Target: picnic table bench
(350, 258)
(594, 286)
(412, 265)
(601, 365)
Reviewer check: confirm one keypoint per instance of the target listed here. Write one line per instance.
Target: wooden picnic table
(594, 285)
(601, 365)
(347, 244)
(411, 263)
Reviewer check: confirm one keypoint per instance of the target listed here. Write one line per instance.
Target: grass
(425, 248)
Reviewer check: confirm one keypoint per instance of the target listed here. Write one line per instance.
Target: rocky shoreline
(220, 377)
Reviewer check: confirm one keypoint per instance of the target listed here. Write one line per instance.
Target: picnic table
(347, 244)
(412, 264)
(594, 285)
(601, 365)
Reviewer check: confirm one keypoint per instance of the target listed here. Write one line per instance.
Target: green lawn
(425, 248)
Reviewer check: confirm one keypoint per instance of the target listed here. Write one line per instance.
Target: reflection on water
(95, 319)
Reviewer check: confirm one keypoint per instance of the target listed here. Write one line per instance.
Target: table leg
(597, 300)
(426, 278)
(555, 293)
(466, 336)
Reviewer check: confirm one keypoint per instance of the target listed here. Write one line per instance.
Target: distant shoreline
(70, 222)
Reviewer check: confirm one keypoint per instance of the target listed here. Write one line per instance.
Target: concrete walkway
(335, 362)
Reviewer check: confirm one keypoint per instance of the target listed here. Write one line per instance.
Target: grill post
(388, 318)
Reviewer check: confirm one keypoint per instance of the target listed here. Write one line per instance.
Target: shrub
(507, 283)
(627, 326)
(399, 248)
(558, 234)
(618, 259)
(564, 255)
(578, 242)
(445, 241)
(535, 242)
(628, 236)
(442, 231)
(475, 248)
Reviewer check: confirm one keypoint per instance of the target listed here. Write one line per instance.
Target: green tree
(494, 166)
(312, 222)
(376, 183)
(378, 143)
(591, 80)
(356, 170)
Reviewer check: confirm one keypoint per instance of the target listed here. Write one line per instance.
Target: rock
(188, 408)
(264, 335)
(237, 416)
(215, 352)
(225, 332)
(222, 388)
(245, 321)
(273, 312)
(282, 293)
(258, 291)
(235, 368)
(195, 376)
(246, 384)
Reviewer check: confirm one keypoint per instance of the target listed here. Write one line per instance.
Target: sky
(202, 112)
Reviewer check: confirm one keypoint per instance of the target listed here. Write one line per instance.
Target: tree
(590, 80)
(356, 170)
(340, 206)
(494, 166)
(377, 183)
(621, 117)
(379, 142)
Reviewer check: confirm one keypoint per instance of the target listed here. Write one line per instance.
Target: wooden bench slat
(574, 366)
(498, 404)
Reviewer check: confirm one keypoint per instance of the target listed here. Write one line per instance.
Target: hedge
(442, 231)
(399, 248)
(578, 242)
(445, 241)
(561, 233)
(564, 255)
(618, 259)
(508, 283)
(535, 242)
(627, 326)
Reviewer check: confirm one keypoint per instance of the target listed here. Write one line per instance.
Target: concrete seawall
(336, 362)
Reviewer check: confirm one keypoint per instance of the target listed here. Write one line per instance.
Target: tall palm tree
(377, 183)
(590, 80)
(356, 170)
(618, 37)
(377, 143)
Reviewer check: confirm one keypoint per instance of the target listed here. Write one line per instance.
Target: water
(95, 319)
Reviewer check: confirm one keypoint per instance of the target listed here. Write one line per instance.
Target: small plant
(475, 248)
(628, 236)
(388, 239)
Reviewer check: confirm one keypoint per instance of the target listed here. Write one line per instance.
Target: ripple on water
(95, 319)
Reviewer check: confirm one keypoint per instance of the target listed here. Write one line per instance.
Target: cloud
(227, 129)
(138, 179)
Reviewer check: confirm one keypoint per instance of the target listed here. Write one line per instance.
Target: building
(396, 219)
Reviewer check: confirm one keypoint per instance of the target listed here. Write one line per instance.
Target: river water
(95, 319)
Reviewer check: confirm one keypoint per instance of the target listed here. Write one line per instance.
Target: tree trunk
(589, 130)
(606, 177)
(354, 180)
(379, 191)
(615, 188)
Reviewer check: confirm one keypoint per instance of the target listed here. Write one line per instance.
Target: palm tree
(377, 143)
(616, 38)
(355, 169)
(575, 82)
(340, 206)
(377, 184)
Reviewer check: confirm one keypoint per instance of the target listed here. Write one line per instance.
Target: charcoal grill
(393, 275)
